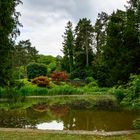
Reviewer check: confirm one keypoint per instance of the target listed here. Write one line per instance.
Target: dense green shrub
(132, 94)
(81, 73)
(119, 92)
(2, 92)
(76, 79)
(136, 123)
(77, 82)
(92, 84)
(95, 90)
(89, 80)
(36, 70)
(41, 81)
(18, 73)
(11, 94)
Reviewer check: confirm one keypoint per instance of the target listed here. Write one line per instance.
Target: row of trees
(109, 50)
(119, 56)
(15, 57)
(77, 48)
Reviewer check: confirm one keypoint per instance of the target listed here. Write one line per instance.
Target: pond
(63, 118)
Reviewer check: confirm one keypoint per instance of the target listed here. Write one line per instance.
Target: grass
(26, 88)
(45, 136)
(33, 90)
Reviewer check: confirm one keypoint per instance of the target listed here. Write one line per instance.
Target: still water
(65, 119)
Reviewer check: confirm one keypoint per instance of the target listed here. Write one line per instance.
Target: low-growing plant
(64, 90)
(41, 91)
(13, 95)
(33, 90)
(95, 90)
(27, 90)
(41, 81)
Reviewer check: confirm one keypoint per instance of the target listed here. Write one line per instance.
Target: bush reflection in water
(66, 119)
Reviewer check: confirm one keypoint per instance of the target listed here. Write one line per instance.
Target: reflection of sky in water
(74, 120)
(54, 125)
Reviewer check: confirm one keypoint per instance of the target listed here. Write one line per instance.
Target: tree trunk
(87, 61)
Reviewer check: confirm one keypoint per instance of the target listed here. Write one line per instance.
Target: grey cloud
(44, 21)
(70, 9)
(74, 9)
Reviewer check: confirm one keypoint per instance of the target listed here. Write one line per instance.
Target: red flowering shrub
(59, 77)
(41, 81)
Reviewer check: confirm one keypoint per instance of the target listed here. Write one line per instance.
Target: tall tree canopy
(100, 31)
(8, 30)
(68, 46)
(119, 55)
(83, 52)
(24, 54)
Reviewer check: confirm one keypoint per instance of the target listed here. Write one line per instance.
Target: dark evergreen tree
(68, 46)
(8, 31)
(120, 55)
(83, 51)
(100, 32)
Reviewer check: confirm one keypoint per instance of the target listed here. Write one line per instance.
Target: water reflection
(54, 125)
(68, 120)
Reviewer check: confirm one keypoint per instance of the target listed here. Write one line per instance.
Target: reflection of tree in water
(98, 120)
(36, 117)
(68, 121)
(59, 111)
(71, 119)
(76, 120)
(13, 119)
(83, 120)
(22, 118)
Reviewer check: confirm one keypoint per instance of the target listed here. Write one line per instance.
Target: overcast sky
(44, 21)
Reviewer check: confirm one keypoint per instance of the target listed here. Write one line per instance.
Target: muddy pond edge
(94, 133)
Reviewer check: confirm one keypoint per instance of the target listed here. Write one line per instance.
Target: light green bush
(89, 79)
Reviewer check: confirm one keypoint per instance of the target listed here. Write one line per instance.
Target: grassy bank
(45, 136)
(26, 88)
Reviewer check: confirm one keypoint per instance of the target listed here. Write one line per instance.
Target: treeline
(109, 50)
(15, 58)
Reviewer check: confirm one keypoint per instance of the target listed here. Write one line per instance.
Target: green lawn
(45, 136)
